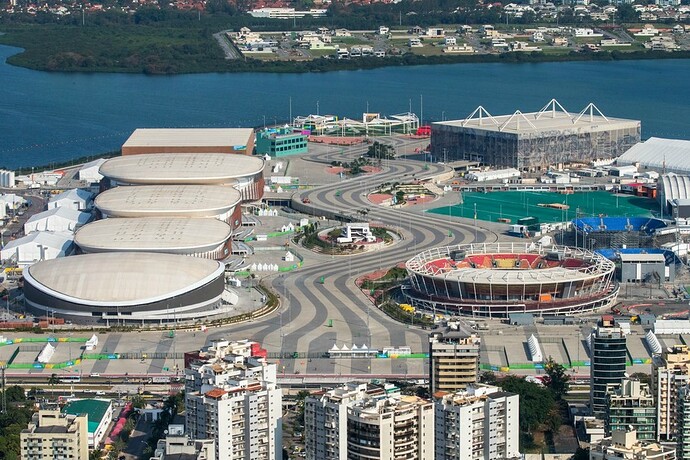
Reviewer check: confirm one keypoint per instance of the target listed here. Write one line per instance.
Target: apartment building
(625, 445)
(53, 435)
(365, 421)
(630, 405)
(480, 423)
(669, 374)
(608, 357)
(453, 357)
(231, 398)
(683, 423)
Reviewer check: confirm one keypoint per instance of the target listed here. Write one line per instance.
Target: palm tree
(53, 380)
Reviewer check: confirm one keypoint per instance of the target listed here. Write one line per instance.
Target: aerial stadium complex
(129, 287)
(534, 141)
(222, 203)
(245, 173)
(209, 238)
(493, 280)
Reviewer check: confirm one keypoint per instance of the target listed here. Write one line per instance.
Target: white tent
(37, 246)
(11, 201)
(89, 171)
(660, 154)
(76, 199)
(61, 219)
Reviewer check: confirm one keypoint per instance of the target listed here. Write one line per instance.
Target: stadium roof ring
(495, 279)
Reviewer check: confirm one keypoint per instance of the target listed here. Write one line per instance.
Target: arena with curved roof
(199, 237)
(222, 203)
(493, 280)
(93, 288)
(245, 173)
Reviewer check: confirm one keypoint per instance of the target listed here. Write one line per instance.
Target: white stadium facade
(494, 280)
(245, 173)
(127, 287)
(209, 238)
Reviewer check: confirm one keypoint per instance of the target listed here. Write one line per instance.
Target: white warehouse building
(75, 198)
(60, 219)
(89, 171)
(10, 201)
(668, 155)
(37, 246)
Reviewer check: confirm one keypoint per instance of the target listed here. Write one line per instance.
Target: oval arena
(495, 279)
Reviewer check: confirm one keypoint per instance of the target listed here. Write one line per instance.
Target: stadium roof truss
(370, 124)
(553, 109)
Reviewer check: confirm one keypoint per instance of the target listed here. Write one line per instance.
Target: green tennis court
(492, 206)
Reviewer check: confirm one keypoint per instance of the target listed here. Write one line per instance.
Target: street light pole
(475, 222)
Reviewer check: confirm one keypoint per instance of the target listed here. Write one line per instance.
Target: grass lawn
(320, 53)
(351, 40)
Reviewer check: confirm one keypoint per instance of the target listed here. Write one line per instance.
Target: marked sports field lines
(515, 205)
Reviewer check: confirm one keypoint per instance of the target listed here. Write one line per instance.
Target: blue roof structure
(618, 224)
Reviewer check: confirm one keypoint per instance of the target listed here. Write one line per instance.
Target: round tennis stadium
(493, 280)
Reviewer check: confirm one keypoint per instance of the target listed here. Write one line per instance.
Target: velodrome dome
(130, 286)
(200, 237)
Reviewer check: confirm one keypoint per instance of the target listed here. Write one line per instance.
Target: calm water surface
(50, 117)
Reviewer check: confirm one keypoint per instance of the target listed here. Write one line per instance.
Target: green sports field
(492, 206)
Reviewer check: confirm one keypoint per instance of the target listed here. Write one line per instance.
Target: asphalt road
(307, 305)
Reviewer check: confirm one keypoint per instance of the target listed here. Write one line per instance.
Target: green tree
(400, 197)
(643, 377)
(15, 393)
(488, 378)
(626, 13)
(53, 380)
(556, 378)
(138, 401)
(538, 409)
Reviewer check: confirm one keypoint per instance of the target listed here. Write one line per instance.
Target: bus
(70, 378)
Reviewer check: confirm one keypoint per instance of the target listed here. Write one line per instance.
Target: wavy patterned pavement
(307, 305)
